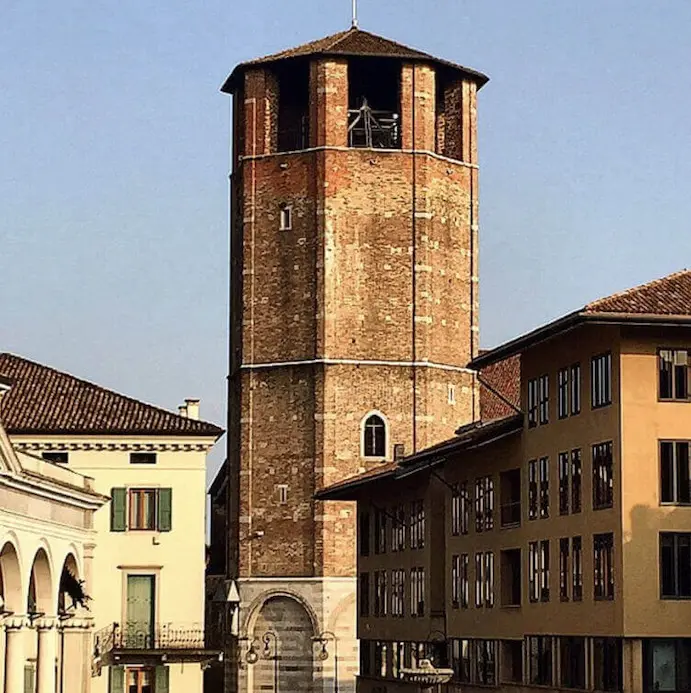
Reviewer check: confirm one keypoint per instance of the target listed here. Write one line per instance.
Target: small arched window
(374, 436)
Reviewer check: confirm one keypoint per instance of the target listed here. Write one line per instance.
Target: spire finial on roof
(355, 25)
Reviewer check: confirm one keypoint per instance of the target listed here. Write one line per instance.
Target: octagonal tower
(354, 311)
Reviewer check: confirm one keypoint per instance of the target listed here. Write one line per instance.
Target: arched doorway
(291, 623)
(10, 579)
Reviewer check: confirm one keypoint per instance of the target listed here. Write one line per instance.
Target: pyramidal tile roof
(670, 295)
(353, 42)
(43, 400)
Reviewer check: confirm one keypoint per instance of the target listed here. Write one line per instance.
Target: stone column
(75, 654)
(15, 629)
(47, 654)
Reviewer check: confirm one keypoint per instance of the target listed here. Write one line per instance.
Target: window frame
(143, 458)
(564, 464)
(363, 437)
(603, 567)
(134, 525)
(673, 351)
(563, 393)
(603, 488)
(601, 392)
(285, 217)
(675, 476)
(543, 399)
(575, 385)
(676, 564)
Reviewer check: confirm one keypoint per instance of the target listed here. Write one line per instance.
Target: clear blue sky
(114, 157)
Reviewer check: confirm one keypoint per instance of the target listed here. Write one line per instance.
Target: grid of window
(675, 564)
(363, 594)
(489, 579)
(460, 509)
(417, 524)
(479, 580)
(380, 531)
(398, 529)
(398, 592)
(576, 478)
(601, 380)
(539, 660)
(417, 591)
(675, 372)
(532, 490)
(543, 398)
(564, 574)
(544, 487)
(381, 593)
(603, 565)
(538, 570)
(675, 477)
(603, 476)
(484, 504)
(569, 395)
(564, 465)
(532, 403)
(577, 568)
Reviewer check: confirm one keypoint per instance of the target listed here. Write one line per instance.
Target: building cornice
(42, 487)
(357, 362)
(107, 446)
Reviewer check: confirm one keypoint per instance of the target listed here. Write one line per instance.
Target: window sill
(511, 525)
(673, 400)
(604, 599)
(594, 407)
(674, 598)
(510, 607)
(674, 504)
(602, 507)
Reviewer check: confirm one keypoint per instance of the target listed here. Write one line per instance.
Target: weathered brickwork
(367, 303)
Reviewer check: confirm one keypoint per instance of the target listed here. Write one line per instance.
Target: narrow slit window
(286, 218)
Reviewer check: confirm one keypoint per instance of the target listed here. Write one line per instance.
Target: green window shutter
(118, 509)
(165, 509)
(116, 682)
(29, 679)
(162, 680)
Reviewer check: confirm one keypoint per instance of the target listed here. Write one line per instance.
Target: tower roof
(353, 42)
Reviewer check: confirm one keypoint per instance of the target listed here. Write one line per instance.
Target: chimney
(182, 410)
(192, 408)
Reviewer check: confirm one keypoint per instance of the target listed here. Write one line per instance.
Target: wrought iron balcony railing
(142, 636)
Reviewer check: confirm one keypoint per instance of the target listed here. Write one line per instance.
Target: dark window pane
(683, 489)
(666, 473)
(667, 570)
(665, 374)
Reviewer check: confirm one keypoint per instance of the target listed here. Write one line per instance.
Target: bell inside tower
(374, 87)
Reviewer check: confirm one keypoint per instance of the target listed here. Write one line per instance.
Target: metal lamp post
(324, 638)
(252, 656)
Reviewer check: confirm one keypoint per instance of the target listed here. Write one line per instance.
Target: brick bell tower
(353, 312)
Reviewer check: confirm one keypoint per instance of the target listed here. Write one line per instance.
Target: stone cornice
(70, 446)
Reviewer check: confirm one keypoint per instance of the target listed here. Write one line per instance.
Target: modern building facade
(147, 593)
(353, 317)
(555, 540)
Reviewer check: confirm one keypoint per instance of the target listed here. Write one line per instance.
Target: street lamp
(252, 656)
(323, 639)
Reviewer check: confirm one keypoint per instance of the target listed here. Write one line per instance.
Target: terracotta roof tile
(503, 377)
(670, 295)
(352, 42)
(46, 401)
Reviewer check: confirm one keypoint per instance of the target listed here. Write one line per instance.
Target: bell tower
(353, 313)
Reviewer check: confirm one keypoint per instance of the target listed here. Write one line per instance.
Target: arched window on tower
(374, 436)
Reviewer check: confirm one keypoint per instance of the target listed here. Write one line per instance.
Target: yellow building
(551, 547)
(46, 567)
(148, 570)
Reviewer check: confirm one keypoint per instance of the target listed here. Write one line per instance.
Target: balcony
(140, 643)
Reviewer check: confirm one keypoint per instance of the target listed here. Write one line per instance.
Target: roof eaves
(342, 489)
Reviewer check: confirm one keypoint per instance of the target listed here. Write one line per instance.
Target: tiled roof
(666, 300)
(43, 400)
(353, 42)
(670, 295)
(503, 377)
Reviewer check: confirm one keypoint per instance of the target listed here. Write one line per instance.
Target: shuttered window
(159, 515)
(162, 680)
(116, 680)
